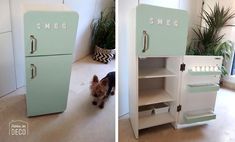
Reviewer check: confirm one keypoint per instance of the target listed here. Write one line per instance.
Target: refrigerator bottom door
(47, 83)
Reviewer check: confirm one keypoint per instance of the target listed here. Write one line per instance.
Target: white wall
(229, 31)
(193, 7)
(87, 9)
(7, 67)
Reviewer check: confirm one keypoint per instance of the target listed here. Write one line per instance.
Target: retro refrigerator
(165, 85)
(49, 38)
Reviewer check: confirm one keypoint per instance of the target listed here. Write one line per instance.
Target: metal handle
(145, 41)
(33, 44)
(33, 71)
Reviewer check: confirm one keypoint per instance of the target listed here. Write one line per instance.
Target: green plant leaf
(103, 29)
(208, 40)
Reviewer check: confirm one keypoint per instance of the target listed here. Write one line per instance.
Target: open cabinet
(157, 90)
(158, 39)
(165, 85)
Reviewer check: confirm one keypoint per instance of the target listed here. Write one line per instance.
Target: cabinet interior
(157, 85)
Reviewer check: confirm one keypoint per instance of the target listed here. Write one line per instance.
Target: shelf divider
(153, 96)
(155, 120)
(155, 73)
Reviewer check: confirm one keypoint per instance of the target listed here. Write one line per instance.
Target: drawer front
(48, 33)
(160, 31)
(47, 83)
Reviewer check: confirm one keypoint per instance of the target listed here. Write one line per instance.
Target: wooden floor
(81, 122)
(220, 130)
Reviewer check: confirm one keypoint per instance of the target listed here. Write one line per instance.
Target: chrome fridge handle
(33, 71)
(33, 44)
(145, 41)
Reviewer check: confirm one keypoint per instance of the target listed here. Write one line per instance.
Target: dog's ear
(95, 79)
(104, 82)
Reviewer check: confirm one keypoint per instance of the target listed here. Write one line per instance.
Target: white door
(199, 85)
(7, 71)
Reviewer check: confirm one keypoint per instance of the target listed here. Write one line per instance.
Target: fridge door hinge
(179, 108)
(182, 67)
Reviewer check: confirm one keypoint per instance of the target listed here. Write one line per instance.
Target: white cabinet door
(199, 85)
(7, 71)
(5, 24)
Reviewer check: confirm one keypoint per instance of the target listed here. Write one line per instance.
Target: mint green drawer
(199, 117)
(203, 88)
(49, 32)
(166, 31)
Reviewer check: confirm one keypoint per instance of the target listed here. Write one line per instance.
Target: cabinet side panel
(133, 76)
(172, 83)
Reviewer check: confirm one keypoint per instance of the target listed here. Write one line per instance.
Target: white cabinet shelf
(154, 73)
(155, 120)
(152, 96)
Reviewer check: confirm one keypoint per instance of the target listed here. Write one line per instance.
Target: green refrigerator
(49, 38)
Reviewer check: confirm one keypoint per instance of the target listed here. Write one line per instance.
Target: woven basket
(103, 55)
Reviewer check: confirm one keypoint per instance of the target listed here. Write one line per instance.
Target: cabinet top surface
(45, 7)
(159, 7)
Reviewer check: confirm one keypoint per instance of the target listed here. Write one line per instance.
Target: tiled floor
(220, 130)
(81, 122)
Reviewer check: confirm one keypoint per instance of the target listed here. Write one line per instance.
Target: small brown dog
(101, 90)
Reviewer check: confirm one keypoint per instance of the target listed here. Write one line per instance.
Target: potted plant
(209, 41)
(103, 36)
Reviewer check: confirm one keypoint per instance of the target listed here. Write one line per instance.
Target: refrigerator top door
(49, 32)
(160, 31)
